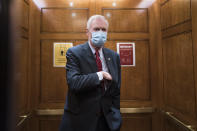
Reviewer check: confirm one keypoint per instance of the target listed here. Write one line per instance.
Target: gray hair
(92, 18)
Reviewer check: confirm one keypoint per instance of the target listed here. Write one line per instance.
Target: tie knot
(97, 53)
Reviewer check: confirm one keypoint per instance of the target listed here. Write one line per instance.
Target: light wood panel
(163, 1)
(53, 80)
(83, 36)
(122, 4)
(137, 84)
(135, 80)
(66, 3)
(178, 74)
(175, 30)
(127, 20)
(64, 20)
(175, 12)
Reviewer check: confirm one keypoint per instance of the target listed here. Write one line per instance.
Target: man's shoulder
(110, 51)
(78, 48)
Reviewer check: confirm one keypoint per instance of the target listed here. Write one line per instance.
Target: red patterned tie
(99, 66)
(98, 61)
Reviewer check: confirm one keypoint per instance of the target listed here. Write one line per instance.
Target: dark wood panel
(179, 74)
(174, 12)
(63, 20)
(49, 125)
(27, 1)
(194, 40)
(24, 34)
(24, 15)
(136, 122)
(155, 54)
(22, 75)
(170, 125)
(127, 20)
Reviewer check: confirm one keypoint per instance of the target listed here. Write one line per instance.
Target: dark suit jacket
(85, 99)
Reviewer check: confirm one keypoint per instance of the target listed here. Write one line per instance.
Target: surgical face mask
(99, 38)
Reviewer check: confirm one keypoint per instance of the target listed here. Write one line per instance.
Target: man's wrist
(100, 75)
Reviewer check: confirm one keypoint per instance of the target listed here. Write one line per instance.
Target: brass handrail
(189, 127)
(137, 110)
(24, 117)
(122, 110)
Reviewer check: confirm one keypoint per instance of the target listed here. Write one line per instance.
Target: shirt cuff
(100, 76)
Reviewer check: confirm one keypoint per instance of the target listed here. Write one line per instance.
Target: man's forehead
(99, 23)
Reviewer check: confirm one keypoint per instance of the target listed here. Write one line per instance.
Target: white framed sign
(126, 50)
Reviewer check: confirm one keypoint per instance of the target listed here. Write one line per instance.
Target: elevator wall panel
(63, 20)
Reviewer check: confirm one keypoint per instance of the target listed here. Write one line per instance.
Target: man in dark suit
(93, 77)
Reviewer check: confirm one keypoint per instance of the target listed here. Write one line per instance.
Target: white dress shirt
(102, 58)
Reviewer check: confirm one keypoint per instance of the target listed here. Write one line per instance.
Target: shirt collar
(93, 49)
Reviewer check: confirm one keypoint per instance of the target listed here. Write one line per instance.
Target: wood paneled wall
(22, 65)
(22, 57)
(120, 20)
(179, 67)
(165, 75)
(56, 21)
(62, 20)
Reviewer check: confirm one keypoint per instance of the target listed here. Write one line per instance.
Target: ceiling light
(71, 4)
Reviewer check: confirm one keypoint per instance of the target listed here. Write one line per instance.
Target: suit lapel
(92, 62)
(90, 57)
(108, 59)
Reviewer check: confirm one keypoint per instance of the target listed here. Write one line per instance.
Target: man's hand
(106, 75)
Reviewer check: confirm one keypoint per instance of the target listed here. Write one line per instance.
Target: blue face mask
(99, 38)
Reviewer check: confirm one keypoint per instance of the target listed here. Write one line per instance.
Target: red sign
(127, 53)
